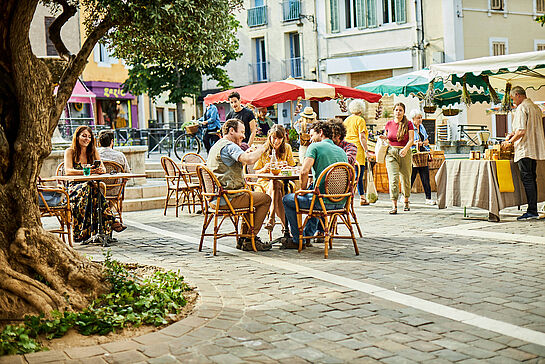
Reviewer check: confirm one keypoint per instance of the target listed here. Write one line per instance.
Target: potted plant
(451, 112)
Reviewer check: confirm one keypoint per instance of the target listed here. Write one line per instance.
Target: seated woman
(276, 141)
(82, 199)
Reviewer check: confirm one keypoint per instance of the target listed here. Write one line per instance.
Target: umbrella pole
(291, 113)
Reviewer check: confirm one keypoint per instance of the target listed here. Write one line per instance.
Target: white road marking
(455, 314)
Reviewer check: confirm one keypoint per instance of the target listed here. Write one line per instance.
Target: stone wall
(136, 156)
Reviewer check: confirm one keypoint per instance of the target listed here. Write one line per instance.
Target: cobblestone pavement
(428, 286)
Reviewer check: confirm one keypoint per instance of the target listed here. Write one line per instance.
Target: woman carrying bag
(400, 134)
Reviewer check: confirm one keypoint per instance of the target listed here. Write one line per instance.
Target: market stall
(493, 183)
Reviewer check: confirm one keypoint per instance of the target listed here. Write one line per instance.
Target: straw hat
(308, 113)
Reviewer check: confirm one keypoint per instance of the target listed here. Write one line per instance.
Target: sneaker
(289, 244)
(431, 202)
(528, 216)
(259, 245)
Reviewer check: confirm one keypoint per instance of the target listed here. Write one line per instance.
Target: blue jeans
(304, 203)
(359, 173)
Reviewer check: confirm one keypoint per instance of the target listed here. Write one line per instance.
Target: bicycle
(189, 141)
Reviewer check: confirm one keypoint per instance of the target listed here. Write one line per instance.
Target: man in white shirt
(529, 144)
(106, 151)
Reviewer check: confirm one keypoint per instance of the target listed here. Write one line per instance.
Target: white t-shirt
(528, 116)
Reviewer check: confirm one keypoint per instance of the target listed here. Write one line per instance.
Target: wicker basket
(193, 129)
(420, 159)
(430, 109)
(451, 112)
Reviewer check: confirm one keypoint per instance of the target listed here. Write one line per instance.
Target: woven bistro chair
(115, 188)
(192, 168)
(339, 185)
(212, 193)
(179, 185)
(61, 209)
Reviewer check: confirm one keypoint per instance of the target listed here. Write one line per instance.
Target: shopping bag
(371, 191)
(381, 147)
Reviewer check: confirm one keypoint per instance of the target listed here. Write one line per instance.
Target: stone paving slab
(294, 310)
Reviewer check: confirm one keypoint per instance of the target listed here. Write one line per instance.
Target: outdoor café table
(277, 177)
(100, 238)
(474, 183)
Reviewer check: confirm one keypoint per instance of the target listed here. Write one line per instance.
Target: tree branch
(68, 11)
(74, 69)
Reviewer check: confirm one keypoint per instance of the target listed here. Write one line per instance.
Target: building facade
(278, 40)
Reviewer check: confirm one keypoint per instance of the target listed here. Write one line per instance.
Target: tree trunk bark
(38, 272)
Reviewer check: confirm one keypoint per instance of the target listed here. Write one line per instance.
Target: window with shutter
(49, 47)
(496, 4)
(400, 11)
(371, 13)
(540, 6)
(540, 47)
(498, 48)
(334, 10)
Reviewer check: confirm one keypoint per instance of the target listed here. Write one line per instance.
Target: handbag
(305, 137)
(52, 198)
(371, 191)
(381, 148)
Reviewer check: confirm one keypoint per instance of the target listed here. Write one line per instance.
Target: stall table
(474, 183)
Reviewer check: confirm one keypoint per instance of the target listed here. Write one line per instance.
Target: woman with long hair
(276, 141)
(400, 134)
(357, 134)
(84, 198)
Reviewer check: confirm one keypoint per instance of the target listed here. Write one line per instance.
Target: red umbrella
(268, 94)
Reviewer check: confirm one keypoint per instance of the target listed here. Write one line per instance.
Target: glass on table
(86, 169)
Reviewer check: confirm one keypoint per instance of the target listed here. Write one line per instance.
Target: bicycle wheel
(186, 143)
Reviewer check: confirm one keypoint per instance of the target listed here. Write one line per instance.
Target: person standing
(226, 160)
(243, 114)
(357, 134)
(211, 119)
(107, 151)
(529, 143)
(400, 134)
(303, 126)
(421, 143)
(265, 123)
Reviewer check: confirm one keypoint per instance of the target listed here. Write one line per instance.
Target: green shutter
(401, 11)
(360, 14)
(371, 13)
(334, 7)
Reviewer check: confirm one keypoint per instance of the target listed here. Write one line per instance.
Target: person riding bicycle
(211, 120)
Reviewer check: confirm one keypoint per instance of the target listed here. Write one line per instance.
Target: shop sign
(114, 92)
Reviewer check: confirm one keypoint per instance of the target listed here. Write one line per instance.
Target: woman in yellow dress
(276, 141)
(357, 134)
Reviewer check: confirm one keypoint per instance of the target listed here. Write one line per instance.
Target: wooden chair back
(210, 185)
(172, 171)
(338, 182)
(61, 210)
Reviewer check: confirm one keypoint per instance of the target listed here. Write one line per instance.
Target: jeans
(209, 139)
(528, 176)
(304, 203)
(424, 173)
(360, 173)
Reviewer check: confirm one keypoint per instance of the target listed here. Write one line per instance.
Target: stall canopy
(520, 69)
(270, 93)
(416, 84)
(80, 93)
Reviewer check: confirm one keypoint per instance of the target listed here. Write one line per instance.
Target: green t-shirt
(324, 153)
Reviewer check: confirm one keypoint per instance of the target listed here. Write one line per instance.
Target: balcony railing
(293, 67)
(259, 71)
(291, 9)
(257, 16)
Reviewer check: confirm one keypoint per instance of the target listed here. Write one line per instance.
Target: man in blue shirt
(211, 120)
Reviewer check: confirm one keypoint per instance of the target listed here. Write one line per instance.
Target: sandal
(406, 208)
(393, 211)
(118, 227)
(363, 201)
(269, 225)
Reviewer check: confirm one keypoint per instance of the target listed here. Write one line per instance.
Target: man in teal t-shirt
(320, 154)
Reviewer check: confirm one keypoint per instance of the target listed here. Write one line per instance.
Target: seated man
(320, 154)
(339, 132)
(107, 152)
(226, 160)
